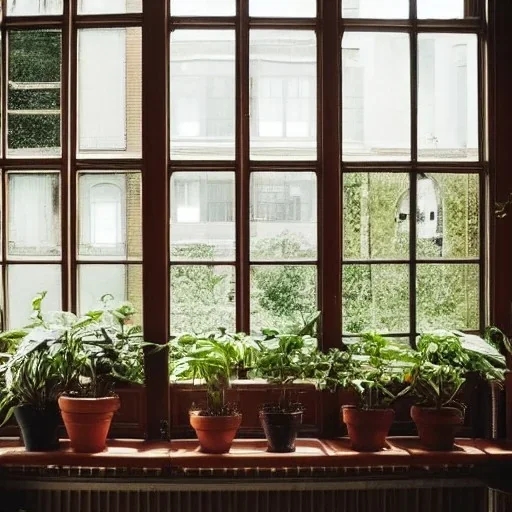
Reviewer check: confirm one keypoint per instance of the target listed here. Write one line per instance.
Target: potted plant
(375, 373)
(73, 362)
(30, 380)
(283, 360)
(214, 362)
(96, 351)
(443, 360)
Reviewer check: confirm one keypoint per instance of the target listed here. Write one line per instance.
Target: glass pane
(109, 6)
(448, 97)
(447, 219)
(283, 94)
(110, 108)
(376, 215)
(203, 7)
(283, 8)
(34, 216)
(440, 9)
(283, 216)
(202, 95)
(375, 298)
(448, 297)
(376, 113)
(23, 283)
(202, 298)
(202, 216)
(393, 9)
(110, 216)
(34, 93)
(34, 7)
(123, 282)
(283, 297)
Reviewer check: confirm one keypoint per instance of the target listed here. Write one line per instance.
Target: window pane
(447, 219)
(448, 297)
(393, 9)
(34, 7)
(283, 8)
(283, 216)
(109, 109)
(203, 7)
(283, 297)
(202, 83)
(123, 282)
(34, 93)
(202, 298)
(202, 216)
(283, 95)
(110, 216)
(441, 9)
(375, 298)
(34, 216)
(376, 215)
(23, 283)
(448, 97)
(376, 113)
(108, 6)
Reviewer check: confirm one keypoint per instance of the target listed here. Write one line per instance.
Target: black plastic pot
(39, 427)
(281, 430)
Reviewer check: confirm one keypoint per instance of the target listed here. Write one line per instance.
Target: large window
(255, 161)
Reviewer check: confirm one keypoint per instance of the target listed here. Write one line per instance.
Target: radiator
(462, 495)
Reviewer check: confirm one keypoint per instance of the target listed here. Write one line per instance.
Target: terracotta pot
(215, 433)
(281, 430)
(437, 427)
(368, 428)
(88, 420)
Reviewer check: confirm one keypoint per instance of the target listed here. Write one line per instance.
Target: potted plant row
(61, 361)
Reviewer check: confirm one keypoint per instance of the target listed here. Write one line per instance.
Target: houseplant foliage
(283, 360)
(213, 360)
(373, 368)
(78, 360)
(442, 361)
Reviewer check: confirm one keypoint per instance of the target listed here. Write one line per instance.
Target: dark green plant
(283, 360)
(212, 360)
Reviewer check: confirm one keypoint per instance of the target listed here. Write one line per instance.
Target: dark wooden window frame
(495, 114)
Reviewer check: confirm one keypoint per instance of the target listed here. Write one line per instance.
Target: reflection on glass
(24, 282)
(110, 216)
(447, 297)
(34, 7)
(391, 9)
(34, 216)
(34, 93)
(283, 8)
(202, 94)
(109, 6)
(283, 297)
(283, 216)
(202, 216)
(375, 216)
(283, 95)
(375, 298)
(447, 219)
(202, 298)
(440, 9)
(110, 109)
(203, 7)
(123, 282)
(448, 97)
(376, 114)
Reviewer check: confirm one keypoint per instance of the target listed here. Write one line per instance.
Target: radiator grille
(363, 496)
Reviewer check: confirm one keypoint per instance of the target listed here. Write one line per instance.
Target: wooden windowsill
(251, 453)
